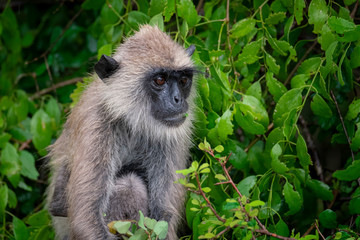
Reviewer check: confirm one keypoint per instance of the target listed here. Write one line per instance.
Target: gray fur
(113, 158)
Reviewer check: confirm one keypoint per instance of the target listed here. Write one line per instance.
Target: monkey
(124, 140)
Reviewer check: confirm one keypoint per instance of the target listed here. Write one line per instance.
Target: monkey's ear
(190, 50)
(105, 67)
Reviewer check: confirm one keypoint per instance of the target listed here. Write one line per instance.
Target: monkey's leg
(127, 198)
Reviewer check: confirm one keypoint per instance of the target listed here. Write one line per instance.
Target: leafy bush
(277, 136)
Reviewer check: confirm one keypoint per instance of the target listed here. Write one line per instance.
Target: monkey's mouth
(175, 120)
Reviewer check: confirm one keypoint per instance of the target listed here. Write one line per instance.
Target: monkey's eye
(184, 80)
(159, 80)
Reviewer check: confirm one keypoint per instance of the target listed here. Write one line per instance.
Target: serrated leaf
(320, 189)
(271, 63)
(157, 21)
(292, 198)
(327, 219)
(275, 18)
(276, 164)
(299, 5)
(20, 230)
(320, 107)
(156, 7)
(352, 172)
(354, 110)
(276, 88)
(122, 226)
(340, 25)
(290, 100)
(309, 66)
(161, 229)
(243, 27)
(290, 124)
(246, 185)
(299, 80)
(104, 50)
(39, 219)
(355, 57)
(254, 90)
(186, 9)
(355, 141)
(318, 14)
(150, 223)
(302, 153)
(249, 53)
(169, 10)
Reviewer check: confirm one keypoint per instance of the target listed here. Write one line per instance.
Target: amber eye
(160, 80)
(184, 80)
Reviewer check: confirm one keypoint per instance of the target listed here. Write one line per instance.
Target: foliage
(277, 111)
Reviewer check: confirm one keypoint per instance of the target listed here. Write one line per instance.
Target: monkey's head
(148, 81)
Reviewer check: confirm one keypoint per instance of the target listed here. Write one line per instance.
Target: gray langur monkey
(124, 140)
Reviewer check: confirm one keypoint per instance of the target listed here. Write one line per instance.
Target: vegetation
(277, 138)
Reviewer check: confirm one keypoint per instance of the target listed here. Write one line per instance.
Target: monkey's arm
(58, 206)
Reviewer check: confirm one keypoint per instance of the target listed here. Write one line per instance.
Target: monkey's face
(168, 90)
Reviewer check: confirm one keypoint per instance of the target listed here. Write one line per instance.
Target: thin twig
(300, 62)
(353, 12)
(54, 87)
(68, 25)
(319, 231)
(49, 72)
(343, 124)
(312, 147)
(207, 200)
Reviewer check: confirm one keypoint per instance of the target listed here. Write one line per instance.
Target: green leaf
(104, 50)
(169, 9)
(122, 226)
(156, 7)
(355, 141)
(243, 27)
(299, 80)
(250, 52)
(354, 204)
(137, 18)
(290, 100)
(355, 57)
(141, 220)
(320, 107)
(223, 128)
(3, 199)
(276, 164)
(320, 189)
(352, 172)
(271, 63)
(354, 110)
(92, 4)
(20, 230)
(28, 165)
(309, 66)
(39, 219)
(41, 130)
(186, 10)
(302, 153)
(219, 148)
(276, 88)
(292, 198)
(12, 200)
(161, 229)
(10, 33)
(327, 219)
(246, 185)
(150, 223)
(251, 105)
(53, 110)
(340, 25)
(318, 14)
(254, 90)
(4, 138)
(290, 124)
(275, 18)
(299, 5)
(158, 21)
(9, 160)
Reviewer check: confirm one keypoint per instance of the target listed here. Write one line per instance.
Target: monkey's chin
(175, 120)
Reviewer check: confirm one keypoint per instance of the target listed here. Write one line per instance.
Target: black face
(169, 90)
